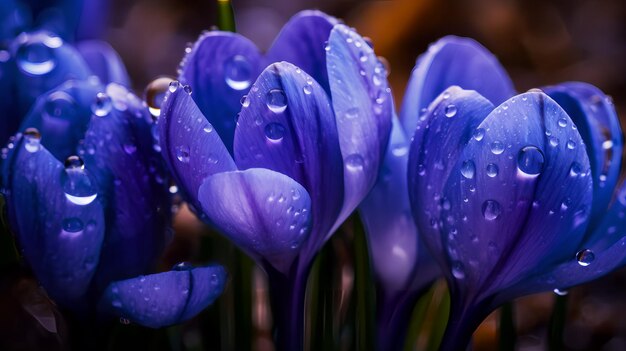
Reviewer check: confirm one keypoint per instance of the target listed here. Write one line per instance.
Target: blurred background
(539, 42)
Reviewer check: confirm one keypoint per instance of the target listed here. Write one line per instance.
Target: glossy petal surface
(60, 235)
(220, 69)
(363, 109)
(163, 299)
(287, 125)
(594, 115)
(265, 213)
(301, 42)
(189, 143)
(453, 61)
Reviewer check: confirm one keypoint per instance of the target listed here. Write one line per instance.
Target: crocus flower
(281, 175)
(88, 202)
(513, 199)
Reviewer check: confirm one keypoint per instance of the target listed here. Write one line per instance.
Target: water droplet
(208, 128)
(363, 57)
(575, 169)
(174, 86)
(491, 210)
(72, 225)
(450, 111)
(571, 144)
(60, 105)
(585, 257)
(479, 134)
(458, 270)
(399, 150)
(130, 148)
(79, 188)
(497, 147)
(554, 141)
(607, 144)
(35, 54)
(560, 292)
(238, 72)
(187, 89)
(154, 94)
(74, 163)
(492, 170)
(307, 89)
(245, 101)
(102, 106)
(276, 100)
(530, 160)
(32, 140)
(182, 153)
(562, 122)
(468, 169)
(182, 266)
(354, 163)
(352, 113)
(274, 132)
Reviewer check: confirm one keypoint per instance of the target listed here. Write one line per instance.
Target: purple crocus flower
(87, 199)
(513, 199)
(277, 165)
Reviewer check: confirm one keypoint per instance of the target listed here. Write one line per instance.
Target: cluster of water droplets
(297, 217)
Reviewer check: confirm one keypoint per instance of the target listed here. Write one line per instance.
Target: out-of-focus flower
(513, 199)
(88, 202)
(306, 145)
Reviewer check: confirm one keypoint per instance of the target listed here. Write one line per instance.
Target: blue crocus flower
(512, 194)
(277, 165)
(88, 202)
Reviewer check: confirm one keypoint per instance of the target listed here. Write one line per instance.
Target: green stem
(508, 336)
(225, 16)
(557, 323)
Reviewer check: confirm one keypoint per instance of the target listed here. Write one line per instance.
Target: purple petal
(190, 145)
(453, 61)
(287, 125)
(11, 119)
(60, 231)
(594, 115)
(62, 116)
(436, 147)
(220, 69)
(363, 108)
(524, 206)
(163, 299)
(398, 256)
(119, 149)
(301, 42)
(265, 213)
(103, 61)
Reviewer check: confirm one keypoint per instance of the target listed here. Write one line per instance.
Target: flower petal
(119, 149)
(189, 144)
(44, 61)
(398, 256)
(59, 234)
(594, 115)
(265, 213)
(14, 18)
(220, 69)
(301, 42)
(103, 61)
(527, 203)
(453, 61)
(436, 147)
(62, 116)
(11, 118)
(162, 299)
(287, 125)
(363, 108)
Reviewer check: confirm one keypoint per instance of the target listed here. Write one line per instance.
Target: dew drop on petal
(354, 163)
(351, 113)
(530, 160)
(35, 54)
(468, 169)
(479, 134)
(571, 144)
(276, 100)
(562, 122)
(450, 111)
(497, 147)
(182, 153)
(492, 170)
(32, 140)
(274, 132)
(585, 257)
(458, 270)
(491, 210)
(238, 72)
(102, 106)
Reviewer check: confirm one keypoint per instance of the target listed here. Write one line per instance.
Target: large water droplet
(59, 104)
(479, 134)
(585, 257)
(238, 72)
(79, 188)
(491, 210)
(35, 55)
(562, 122)
(354, 163)
(182, 153)
(72, 225)
(468, 169)
(575, 170)
(154, 94)
(497, 147)
(458, 270)
(32, 140)
(492, 170)
(274, 132)
(276, 100)
(530, 160)
(102, 105)
(450, 111)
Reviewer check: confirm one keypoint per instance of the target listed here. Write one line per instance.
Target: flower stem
(287, 294)
(225, 16)
(507, 328)
(392, 319)
(557, 323)
(464, 319)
